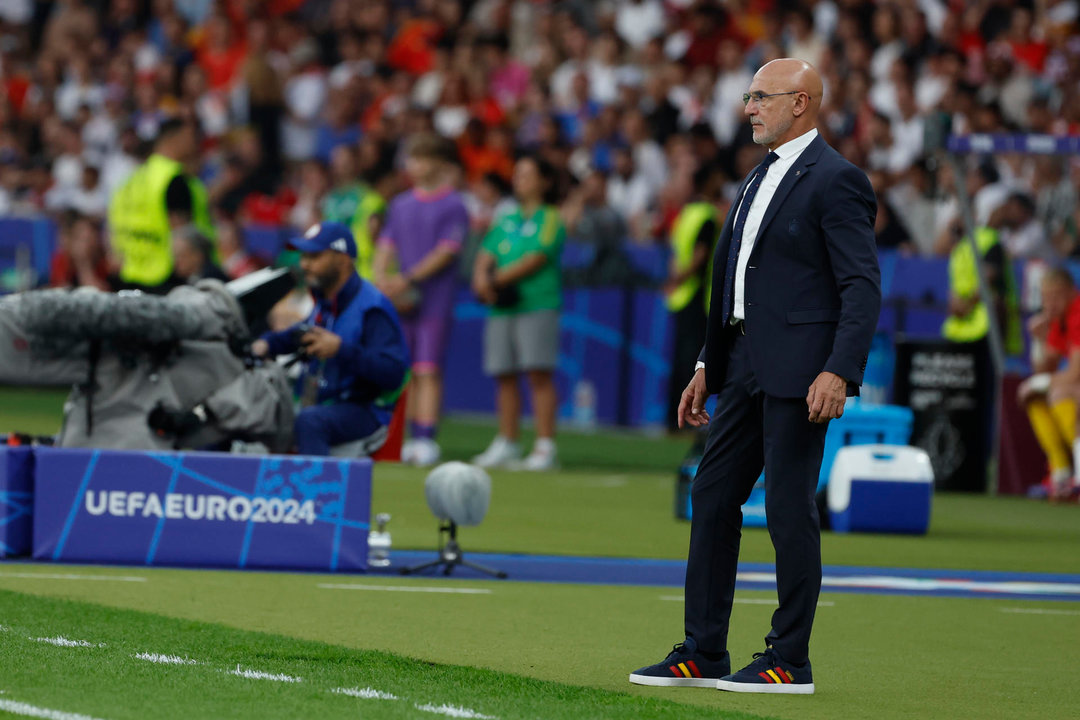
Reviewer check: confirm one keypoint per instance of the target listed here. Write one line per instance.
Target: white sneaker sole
(507, 464)
(672, 681)
(772, 688)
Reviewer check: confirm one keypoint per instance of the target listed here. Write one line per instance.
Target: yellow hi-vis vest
(964, 282)
(371, 204)
(139, 221)
(684, 234)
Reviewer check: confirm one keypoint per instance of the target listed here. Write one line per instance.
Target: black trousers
(751, 430)
(690, 325)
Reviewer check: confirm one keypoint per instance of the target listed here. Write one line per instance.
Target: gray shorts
(521, 342)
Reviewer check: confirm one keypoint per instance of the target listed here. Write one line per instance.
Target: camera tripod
(450, 556)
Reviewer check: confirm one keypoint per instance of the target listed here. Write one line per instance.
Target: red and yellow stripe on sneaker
(685, 670)
(777, 675)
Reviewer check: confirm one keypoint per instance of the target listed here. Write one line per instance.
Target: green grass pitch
(522, 650)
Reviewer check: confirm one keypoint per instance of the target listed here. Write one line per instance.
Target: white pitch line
(748, 601)
(365, 693)
(68, 576)
(260, 675)
(408, 588)
(1039, 611)
(889, 582)
(455, 712)
(61, 641)
(164, 659)
(27, 710)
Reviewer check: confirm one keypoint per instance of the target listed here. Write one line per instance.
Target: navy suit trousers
(752, 430)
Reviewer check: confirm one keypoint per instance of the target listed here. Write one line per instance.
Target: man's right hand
(260, 348)
(692, 410)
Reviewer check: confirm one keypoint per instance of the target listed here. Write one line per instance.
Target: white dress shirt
(789, 152)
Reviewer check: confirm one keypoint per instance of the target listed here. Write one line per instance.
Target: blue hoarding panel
(201, 509)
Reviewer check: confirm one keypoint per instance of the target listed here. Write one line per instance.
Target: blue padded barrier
(16, 500)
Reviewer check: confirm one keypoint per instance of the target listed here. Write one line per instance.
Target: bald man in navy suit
(795, 302)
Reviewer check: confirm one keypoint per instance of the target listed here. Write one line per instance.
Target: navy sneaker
(770, 673)
(683, 667)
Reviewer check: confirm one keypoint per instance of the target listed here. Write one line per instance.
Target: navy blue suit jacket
(812, 287)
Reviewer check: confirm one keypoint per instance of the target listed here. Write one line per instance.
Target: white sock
(544, 446)
(1076, 457)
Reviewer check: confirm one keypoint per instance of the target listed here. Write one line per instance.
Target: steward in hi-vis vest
(968, 319)
(689, 283)
(158, 198)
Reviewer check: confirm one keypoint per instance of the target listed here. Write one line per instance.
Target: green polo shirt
(512, 237)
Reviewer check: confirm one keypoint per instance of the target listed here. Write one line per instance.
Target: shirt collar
(345, 295)
(792, 148)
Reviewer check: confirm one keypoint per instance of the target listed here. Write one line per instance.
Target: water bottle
(379, 542)
(585, 405)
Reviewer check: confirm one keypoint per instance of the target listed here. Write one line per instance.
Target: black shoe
(683, 667)
(770, 673)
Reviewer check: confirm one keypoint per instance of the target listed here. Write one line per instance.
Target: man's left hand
(321, 343)
(826, 397)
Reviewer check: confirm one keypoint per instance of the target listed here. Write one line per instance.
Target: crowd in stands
(627, 99)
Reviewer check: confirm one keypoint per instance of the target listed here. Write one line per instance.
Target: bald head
(785, 100)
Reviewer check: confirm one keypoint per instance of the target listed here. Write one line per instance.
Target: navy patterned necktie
(737, 234)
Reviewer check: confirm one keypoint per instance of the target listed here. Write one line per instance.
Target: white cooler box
(881, 488)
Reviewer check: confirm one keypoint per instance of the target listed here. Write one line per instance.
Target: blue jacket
(813, 287)
(371, 366)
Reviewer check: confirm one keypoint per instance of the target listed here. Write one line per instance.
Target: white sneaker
(426, 453)
(408, 452)
(542, 457)
(500, 453)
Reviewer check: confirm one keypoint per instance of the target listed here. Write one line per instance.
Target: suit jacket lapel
(797, 172)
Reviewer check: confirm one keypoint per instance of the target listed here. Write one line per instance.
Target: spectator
(479, 155)
(355, 356)
(80, 260)
(305, 95)
(193, 258)
(235, 259)
(726, 112)
(314, 184)
(355, 205)
(222, 54)
(639, 21)
(265, 94)
(517, 274)
(90, 197)
(648, 156)
(1021, 233)
(591, 221)
(451, 115)
(425, 231)
(509, 79)
(628, 191)
(489, 200)
(210, 107)
(339, 128)
(79, 89)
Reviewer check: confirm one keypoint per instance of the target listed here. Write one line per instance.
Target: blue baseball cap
(326, 236)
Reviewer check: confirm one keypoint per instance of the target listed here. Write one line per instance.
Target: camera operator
(352, 344)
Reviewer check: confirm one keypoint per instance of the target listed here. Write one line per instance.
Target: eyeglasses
(758, 97)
